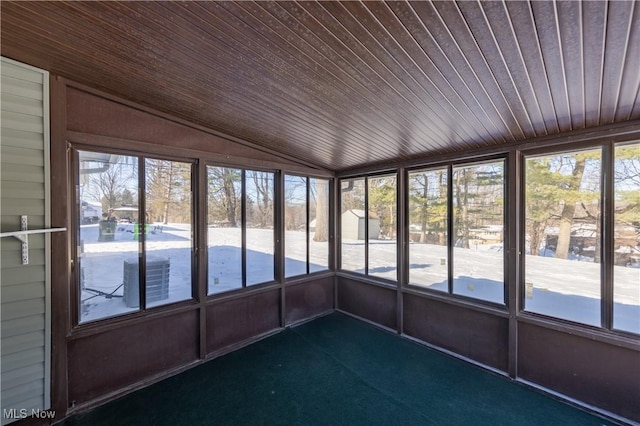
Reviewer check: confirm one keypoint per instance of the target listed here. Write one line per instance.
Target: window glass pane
(224, 229)
(107, 251)
(260, 233)
(562, 219)
(428, 229)
(382, 227)
(295, 225)
(352, 224)
(168, 231)
(318, 225)
(626, 245)
(478, 226)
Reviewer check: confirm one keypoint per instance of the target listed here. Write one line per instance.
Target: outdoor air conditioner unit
(157, 275)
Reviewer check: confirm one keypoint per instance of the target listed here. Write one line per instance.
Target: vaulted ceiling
(347, 84)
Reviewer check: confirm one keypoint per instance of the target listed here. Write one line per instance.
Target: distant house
(490, 234)
(91, 211)
(353, 225)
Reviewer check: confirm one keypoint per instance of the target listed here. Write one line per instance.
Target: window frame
(407, 221)
(398, 175)
(308, 178)
(75, 203)
(277, 181)
(607, 235)
(449, 165)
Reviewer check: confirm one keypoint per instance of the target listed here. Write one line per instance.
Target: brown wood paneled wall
(371, 302)
(473, 334)
(598, 373)
(308, 299)
(115, 359)
(239, 319)
(95, 362)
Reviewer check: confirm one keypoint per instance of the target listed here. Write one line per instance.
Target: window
(240, 224)
(626, 244)
(260, 241)
(295, 225)
(369, 226)
(306, 221)
(318, 225)
(352, 223)
(382, 242)
(168, 234)
(478, 231)
(428, 232)
(224, 229)
(563, 235)
(114, 237)
(457, 241)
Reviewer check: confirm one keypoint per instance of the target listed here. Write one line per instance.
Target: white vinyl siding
(24, 289)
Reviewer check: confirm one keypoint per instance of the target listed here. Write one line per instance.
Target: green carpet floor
(336, 370)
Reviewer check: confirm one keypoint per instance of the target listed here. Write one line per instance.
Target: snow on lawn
(102, 266)
(102, 262)
(568, 289)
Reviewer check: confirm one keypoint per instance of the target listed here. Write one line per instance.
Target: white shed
(353, 225)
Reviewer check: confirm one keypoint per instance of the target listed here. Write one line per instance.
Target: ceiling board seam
(255, 145)
(302, 119)
(390, 72)
(466, 60)
(328, 59)
(434, 114)
(365, 99)
(602, 63)
(326, 119)
(636, 103)
(355, 55)
(365, 140)
(624, 60)
(435, 117)
(417, 67)
(489, 134)
(247, 23)
(438, 126)
(504, 62)
(484, 60)
(637, 97)
(565, 84)
(354, 69)
(184, 94)
(544, 65)
(617, 132)
(582, 73)
(524, 66)
(411, 77)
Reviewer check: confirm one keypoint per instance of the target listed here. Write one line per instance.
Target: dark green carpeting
(335, 371)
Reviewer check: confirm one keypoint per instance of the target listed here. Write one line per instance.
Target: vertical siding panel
(24, 167)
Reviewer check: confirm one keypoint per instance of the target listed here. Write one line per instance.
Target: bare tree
(223, 193)
(108, 185)
(263, 184)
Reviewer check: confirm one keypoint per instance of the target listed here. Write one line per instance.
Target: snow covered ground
(102, 263)
(102, 266)
(566, 289)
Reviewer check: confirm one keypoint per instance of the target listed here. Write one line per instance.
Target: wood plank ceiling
(347, 84)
